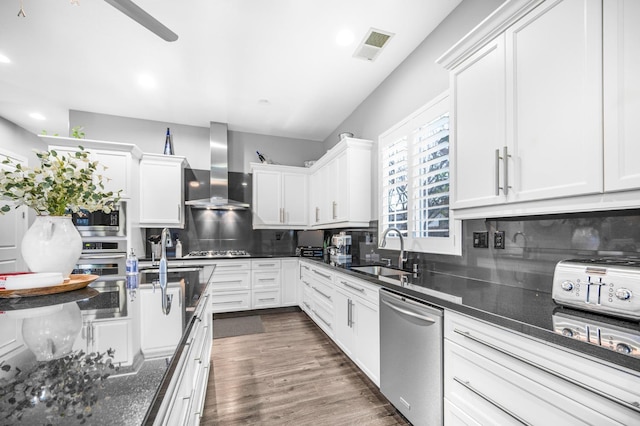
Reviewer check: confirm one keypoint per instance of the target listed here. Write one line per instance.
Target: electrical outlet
(481, 239)
(498, 239)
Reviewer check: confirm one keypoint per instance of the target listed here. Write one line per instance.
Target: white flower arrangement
(60, 183)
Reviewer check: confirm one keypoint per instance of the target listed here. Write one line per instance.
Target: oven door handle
(102, 256)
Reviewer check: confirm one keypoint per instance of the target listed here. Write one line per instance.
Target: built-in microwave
(99, 223)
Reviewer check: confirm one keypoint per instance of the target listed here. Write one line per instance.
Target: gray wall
(192, 142)
(417, 80)
(17, 140)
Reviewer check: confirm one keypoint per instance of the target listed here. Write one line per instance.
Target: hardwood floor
(292, 374)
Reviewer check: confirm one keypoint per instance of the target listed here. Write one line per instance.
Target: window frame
(406, 127)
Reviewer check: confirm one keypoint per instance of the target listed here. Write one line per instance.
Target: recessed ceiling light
(37, 116)
(147, 81)
(344, 37)
(4, 59)
(263, 101)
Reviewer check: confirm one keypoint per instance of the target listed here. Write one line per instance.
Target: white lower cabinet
(152, 319)
(346, 309)
(496, 376)
(230, 285)
(101, 335)
(357, 326)
(289, 282)
(265, 283)
(184, 401)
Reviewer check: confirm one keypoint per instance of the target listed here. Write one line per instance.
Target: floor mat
(238, 326)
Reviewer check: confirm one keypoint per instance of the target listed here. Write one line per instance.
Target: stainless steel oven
(110, 302)
(104, 256)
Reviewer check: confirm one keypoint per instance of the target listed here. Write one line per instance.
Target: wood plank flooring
(292, 374)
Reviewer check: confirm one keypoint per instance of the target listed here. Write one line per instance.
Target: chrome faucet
(383, 243)
(162, 274)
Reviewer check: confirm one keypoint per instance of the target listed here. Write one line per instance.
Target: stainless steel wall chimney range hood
(219, 174)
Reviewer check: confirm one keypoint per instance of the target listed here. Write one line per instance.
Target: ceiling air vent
(372, 44)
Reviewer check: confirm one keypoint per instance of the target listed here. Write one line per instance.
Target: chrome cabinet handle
(491, 401)
(323, 275)
(229, 302)
(334, 209)
(635, 406)
(505, 161)
(281, 215)
(322, 319)
(361, 290)
(349, 313)
(317, 214)
(323, 294)
(266, 299)
(179, 213)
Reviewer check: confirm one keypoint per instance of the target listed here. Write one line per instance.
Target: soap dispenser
(178, 248)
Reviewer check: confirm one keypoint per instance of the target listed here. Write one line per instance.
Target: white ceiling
(230, 55)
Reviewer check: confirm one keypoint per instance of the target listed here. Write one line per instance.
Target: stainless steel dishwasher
(411, 358)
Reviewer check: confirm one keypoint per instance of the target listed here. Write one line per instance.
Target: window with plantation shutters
(415, 189)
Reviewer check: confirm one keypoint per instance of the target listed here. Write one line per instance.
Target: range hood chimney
(219, 173)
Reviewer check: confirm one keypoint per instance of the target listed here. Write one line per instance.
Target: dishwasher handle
(408, 313)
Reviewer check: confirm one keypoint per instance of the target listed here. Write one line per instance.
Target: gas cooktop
(217, 254)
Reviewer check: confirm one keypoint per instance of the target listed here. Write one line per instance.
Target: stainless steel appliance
(411, 358)
(605, 285)
(207, 254)
(342, 247)
(599, 331)
(111, 301)
(104, 256)
(99, 223)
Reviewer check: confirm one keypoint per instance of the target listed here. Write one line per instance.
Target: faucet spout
(401, 258)
(162, 274)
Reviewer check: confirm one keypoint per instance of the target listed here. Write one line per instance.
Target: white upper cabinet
(335, 192)
(621, 89)
(279, 197)
(117, 159)
(478, 128)
(527, 105)
(162, 191)
(341, 182)
(554, 101)
(554, 83)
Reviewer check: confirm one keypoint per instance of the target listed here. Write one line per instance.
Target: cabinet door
(343, 329)
(341, 203)
(267, 197)
(554, 101)
(161, 199)
(115, 335)
(621, 87)
(289, 282)
(478, 127)
(159, 333)
(294, 199)
(13, 226)
(118, 171)
(366, 326)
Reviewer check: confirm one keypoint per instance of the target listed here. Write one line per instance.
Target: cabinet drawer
(266, 264)
(230, 281)
(358, 288)
(266, 298)
(322, 274)
(606, 389)
(224, 266)
(323, 317)
(229, 302)
(265, 279)
(505, 392)
(322, 293)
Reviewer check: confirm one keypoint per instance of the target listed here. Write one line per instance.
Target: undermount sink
(379, 270)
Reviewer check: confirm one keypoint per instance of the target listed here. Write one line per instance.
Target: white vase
(52, 244)
(51, 336)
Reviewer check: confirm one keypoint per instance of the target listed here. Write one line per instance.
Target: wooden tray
(75, 282)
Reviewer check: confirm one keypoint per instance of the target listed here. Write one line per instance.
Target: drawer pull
(352, 286)
(267, 299)
(266, 265)
(230, 302)
(635, 406)
(490, 401)
(307, 305)
(327, 276)
(323, 294)
(228, 266)
(322, 319)
(266, 279)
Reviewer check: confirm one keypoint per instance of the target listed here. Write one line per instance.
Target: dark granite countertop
(526, 311)
(55, 345)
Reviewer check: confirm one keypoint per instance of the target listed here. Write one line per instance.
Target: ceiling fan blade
(136, 13)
